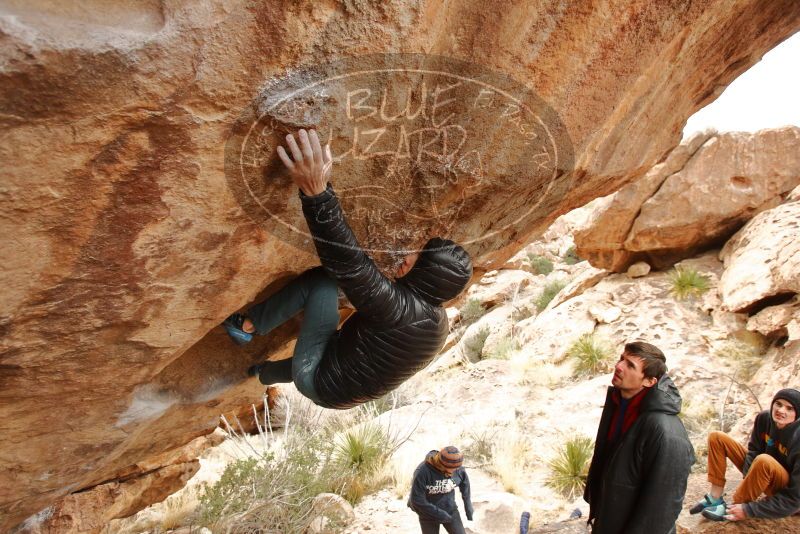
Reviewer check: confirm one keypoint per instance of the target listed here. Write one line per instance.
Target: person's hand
(736, 512)
(309, 165)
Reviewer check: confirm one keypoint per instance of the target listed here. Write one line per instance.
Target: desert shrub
(744, 357)
(509, 460)
(273, 492)
(471, 311)
(687, 282)
(592, 356)
(473, 346)
(571, 256)
(479, 446)
(177, 509)
(520, 313)
(504, 348)
(549, 292)
(570, 467)
(539, 264)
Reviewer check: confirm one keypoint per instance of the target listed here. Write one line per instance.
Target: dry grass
(510, 456)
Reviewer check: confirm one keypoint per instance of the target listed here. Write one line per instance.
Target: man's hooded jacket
(783, 444)
(637, 486)
(399, 326)
(433, 495)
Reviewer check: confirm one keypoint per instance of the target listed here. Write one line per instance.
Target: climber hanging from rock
(399, 326)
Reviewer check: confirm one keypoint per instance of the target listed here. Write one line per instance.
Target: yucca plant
(687, 282)
(570, 467)
(592, 356)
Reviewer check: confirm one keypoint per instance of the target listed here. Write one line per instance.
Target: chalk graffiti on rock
(419, 143)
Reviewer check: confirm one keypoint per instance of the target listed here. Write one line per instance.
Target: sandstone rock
(332, 512)
(89, 511)
(126, 244)
(605, 314)
(500, 287)
(638, 269)
(776, 320)
(763, 259)
(496, 513)
(586, 277)
(668, 215)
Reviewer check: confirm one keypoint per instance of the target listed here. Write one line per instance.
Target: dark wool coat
(399, 326)
(638, 487)
(783, 445)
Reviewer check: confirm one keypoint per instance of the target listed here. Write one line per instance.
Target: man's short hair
(654, 363)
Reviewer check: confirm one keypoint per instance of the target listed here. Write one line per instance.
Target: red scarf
(631, 414)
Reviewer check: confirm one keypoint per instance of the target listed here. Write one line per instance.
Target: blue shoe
(233, 325)
(706, 502)
(717, 512)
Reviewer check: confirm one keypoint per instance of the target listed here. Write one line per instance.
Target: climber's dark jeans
(453, 527)
(315, 293)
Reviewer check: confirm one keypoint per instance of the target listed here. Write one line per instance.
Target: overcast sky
(766, 96)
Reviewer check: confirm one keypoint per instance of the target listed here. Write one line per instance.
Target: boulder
(496, 513)
(669, 214)
(89, 511)
(142, 201)
(638, 269)
(331, 512)
(776, 321)
(762, 261)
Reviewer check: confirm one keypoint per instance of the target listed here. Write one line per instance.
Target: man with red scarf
(642, 453)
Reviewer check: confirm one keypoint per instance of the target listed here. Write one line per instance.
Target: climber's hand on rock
(309, 166)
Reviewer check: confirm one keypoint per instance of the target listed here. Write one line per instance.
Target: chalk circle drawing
(422, 145)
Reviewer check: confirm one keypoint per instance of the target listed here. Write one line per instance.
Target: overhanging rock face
(141, 201)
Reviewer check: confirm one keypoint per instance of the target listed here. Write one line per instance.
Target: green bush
(274, 492)
(540, 264)
(571, 256)
(592, 356)
(548, 293)
(687, 282)
(471, 311)
(504, 348)
(473, 346)
(570, 467)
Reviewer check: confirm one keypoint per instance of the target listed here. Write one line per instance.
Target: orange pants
(765, 475)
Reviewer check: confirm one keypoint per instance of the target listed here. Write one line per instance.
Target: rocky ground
(505, 388)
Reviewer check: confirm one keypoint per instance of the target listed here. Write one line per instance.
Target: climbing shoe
(706, 502)
(716, 512)
(233, 325)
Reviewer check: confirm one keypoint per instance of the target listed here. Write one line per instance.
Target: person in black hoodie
(433, 491)
(398, 327)
(770, 465)
(642, 454)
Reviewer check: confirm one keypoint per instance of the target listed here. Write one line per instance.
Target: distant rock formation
(705, 190)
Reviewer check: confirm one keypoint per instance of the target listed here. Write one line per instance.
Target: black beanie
(790, 395)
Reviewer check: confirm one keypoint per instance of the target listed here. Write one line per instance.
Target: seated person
(770, 465)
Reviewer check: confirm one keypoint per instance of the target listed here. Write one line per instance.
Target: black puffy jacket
(638, 487)
(398, 327)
